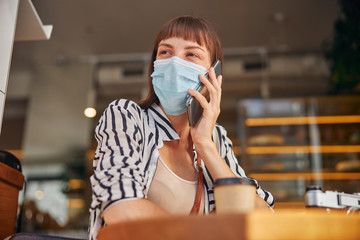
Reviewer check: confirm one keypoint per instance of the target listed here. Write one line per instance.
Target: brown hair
(189, 28)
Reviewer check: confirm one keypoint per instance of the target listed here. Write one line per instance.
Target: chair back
(11, 182)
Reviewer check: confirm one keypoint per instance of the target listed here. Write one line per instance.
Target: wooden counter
(260, 224)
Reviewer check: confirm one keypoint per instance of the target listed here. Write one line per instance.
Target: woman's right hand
(201, 133)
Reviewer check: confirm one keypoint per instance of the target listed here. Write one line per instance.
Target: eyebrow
(187, 47)
(195, 47)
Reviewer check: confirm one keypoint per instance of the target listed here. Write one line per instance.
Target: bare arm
(260, 203)
(133, 210)
(202, 132)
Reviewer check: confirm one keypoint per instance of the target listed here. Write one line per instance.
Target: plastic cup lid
(227, 181)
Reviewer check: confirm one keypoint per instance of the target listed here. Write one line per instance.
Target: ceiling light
(90, 112)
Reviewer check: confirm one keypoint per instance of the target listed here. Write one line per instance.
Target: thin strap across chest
(195, 209)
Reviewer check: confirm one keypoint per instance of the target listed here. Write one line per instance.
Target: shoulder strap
(195, 209)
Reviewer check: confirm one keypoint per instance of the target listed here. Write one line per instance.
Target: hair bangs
(187, 29)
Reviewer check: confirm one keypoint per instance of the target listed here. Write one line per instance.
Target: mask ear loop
(195, 209)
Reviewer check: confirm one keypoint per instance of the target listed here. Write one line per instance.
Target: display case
(289, 144)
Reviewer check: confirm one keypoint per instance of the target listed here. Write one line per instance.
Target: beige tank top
(172, 193)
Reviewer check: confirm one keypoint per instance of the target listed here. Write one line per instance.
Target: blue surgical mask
(171, 79)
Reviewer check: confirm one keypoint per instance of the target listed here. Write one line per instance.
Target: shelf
(303, 149)
(289, 144)
(304, 176)
(255, 122)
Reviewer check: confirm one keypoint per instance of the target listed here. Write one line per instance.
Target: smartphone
(194, 109)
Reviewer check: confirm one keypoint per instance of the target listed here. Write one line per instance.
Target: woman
(145, 162)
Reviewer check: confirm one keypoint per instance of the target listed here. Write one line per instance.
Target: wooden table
(260, 224)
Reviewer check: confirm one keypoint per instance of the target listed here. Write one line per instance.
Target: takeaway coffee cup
(234, 195)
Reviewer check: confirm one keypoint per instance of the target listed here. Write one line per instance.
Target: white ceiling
(84, 27)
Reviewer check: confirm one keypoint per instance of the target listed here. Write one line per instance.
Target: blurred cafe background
(290, 103)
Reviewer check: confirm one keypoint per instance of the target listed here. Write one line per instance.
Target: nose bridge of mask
(180, 62)
(189, 65)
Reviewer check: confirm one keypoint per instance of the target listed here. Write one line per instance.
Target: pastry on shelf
(275, 166)
(352, 165)
(266, 139)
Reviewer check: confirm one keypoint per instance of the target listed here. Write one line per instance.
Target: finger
(215, 97)
(213, 79)
(207, 83)
(219, 80)
(214, 89)
(219, 89)
(201, 99)
(213, 92)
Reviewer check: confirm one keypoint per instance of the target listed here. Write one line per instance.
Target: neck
(181, 125)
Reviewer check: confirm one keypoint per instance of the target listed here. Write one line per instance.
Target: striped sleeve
(225, 147)
(118, 166)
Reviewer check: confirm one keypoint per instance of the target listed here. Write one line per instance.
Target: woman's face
(184, 49)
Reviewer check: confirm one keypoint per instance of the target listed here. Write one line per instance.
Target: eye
(163, 52)
(191, 54)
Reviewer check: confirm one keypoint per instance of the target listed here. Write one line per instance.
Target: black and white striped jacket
(127, 153)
